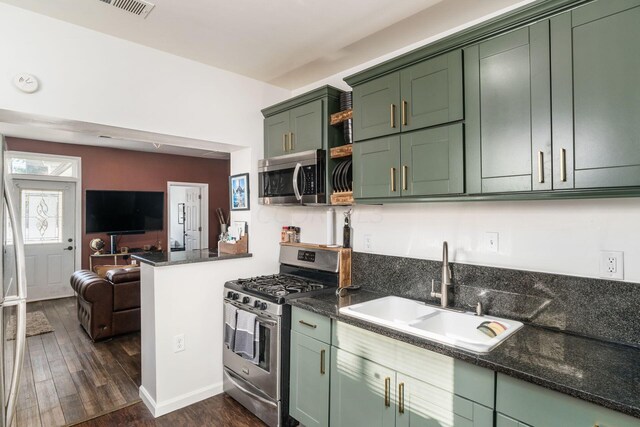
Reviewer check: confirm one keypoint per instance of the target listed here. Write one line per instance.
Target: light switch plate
(491, 241)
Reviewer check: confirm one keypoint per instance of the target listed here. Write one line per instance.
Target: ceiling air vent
(137, 7)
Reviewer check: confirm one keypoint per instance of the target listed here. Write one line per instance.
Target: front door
(192, 226)
(48, 216)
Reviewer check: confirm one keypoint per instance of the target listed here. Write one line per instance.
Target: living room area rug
(37, 324)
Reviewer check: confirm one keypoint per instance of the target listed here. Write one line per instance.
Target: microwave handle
(295, 181)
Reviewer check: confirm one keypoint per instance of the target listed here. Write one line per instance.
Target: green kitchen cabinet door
(596, 95)
(504, 421)
(362, 392)
(508, 112)
(376, 109)
(423, 405)
(306, 127)
(276, 129)
(376, 168)
(309, 380)
(432, 161)
(432, 92)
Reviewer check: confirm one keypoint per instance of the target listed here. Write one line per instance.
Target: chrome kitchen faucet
(446, 279)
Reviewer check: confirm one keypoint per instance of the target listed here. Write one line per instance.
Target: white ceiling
(288, 43)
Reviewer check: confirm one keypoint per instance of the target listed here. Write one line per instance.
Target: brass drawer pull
(404, 177)
(387, 392)
(322, 362)
(404, 112)
(540, 167)
(401, 398)
(563, 165)
(393, 115)
(291, 143)
(284, 142)
(302, 322)
(393, 179)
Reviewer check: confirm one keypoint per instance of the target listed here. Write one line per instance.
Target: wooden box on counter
(240, 247)
(345, 260)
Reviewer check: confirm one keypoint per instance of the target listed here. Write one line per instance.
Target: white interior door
(48, 216)
(192, 221)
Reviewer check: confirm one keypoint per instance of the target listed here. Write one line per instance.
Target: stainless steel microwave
(293, 179)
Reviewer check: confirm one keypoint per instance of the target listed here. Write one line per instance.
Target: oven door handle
(258, 317)
(249, 392)
(295, 181)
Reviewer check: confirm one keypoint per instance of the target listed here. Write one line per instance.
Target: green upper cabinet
(426, 94)
(431, 92)
(432, 161)
(375, 107)
(376, 165)
(596, 95)
(306, 127)
(508, 112)
(302, 123)
(425, 162)
(276, 130)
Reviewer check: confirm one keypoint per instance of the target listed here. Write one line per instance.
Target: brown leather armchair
(108, 306)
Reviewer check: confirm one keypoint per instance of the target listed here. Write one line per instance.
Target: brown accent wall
(114, 169)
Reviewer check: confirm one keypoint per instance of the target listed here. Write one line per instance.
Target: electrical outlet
(178, 343)
(491, 239)
(368, 242)
(612, 264)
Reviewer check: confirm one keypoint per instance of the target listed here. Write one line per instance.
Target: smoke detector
(139, 8)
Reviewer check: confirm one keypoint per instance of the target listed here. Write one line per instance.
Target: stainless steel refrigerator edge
(14, 298)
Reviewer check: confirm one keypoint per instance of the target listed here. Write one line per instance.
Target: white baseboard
(170, 405)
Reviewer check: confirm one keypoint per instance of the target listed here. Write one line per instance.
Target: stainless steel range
(262, 383)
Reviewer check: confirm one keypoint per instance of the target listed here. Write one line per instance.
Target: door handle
(387, 391)
(284, 142)
(295, 181)
(312, 326)
(404, 113)
(540, 167)
(68, 248)
(392, 109)
(291, 143)
(563, 165)
(322, 362)
(401, 398)
(404, 177)
(393, 179)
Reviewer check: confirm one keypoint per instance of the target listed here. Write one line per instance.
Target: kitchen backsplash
(602, 309)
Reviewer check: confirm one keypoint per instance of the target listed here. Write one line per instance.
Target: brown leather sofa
(108, 306)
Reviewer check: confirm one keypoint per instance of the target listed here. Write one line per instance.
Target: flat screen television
(124, 212)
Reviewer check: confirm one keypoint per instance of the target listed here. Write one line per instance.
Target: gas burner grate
(278, 285)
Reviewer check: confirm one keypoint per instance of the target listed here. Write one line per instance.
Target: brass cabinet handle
(404, 112)
(393, 115)
(393, 179)
(284, 142)
(540, 167)
(302, 322)
(401, 398)
(291, 142)
(404, 177)
(321, 362)
(563, 165)
(387, 392)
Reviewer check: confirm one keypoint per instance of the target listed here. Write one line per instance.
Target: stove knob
(245, 300)
(229, 294)
(235, 296)
(263, 306)
(256, 304)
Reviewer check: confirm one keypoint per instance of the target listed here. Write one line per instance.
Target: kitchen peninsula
(181, 297)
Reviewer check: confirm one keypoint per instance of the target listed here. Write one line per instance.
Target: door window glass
(41, 216)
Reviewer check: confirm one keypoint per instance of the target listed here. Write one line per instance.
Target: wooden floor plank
(39, 362)
(72, 408)
(49, 404)
(87, 393)
(62, 378)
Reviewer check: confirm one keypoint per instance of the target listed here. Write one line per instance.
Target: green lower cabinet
(504, 421)
(362, 392)
(309, 380)
(539, 407)
(423, 405)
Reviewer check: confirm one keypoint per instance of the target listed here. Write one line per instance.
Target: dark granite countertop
(161, 259)
(603, 373)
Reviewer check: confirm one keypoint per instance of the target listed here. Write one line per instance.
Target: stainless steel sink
(457, 329)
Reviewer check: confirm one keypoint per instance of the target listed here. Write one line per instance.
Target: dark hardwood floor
(217, 411)
(68, 379)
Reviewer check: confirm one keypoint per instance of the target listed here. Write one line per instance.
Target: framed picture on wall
(239, 192)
